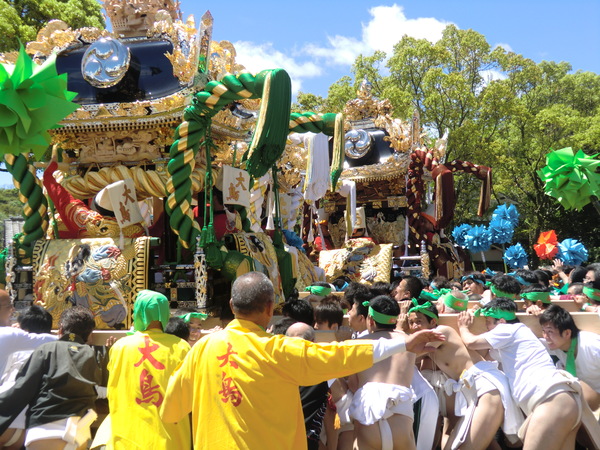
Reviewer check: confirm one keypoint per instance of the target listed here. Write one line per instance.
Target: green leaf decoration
(33, 99)
(571, 177)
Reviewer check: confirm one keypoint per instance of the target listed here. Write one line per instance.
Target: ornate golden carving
(397, 202)
(134, 18)
(185, 45)
(115, 146)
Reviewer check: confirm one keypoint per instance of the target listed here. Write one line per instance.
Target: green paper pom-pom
(33, 99)
(571, 177)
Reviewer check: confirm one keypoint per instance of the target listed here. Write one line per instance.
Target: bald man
(301, 330)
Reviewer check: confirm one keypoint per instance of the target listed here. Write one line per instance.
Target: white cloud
(506, 47)
(387, 26)
(491, 75)
(258, 57)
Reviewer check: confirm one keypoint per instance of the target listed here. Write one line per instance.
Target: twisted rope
(192, 131)
(35, 204)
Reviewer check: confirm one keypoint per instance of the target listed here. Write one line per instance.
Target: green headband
(498, 293)
(318, 290)
(496, 313)
(443, 291)
(382, 318)
(424, 309)
(592, 293)
(193, 315)
(428, 296)
(458, 304)
(544, 297)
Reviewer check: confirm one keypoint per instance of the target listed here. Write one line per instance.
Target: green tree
(22, 19)
(308, 102)
(502, 110)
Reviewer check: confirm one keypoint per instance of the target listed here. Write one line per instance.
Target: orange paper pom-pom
(547, 246)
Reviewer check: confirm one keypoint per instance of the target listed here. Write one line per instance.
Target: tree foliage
(502, 110)
(22, 19)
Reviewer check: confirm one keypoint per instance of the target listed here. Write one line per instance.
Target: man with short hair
(505, 286)
(536, 298)
(550, 398)
(382, 407)
(300, 310)
(474, 284)
(409, 287)
(578, 351)
(328, 314)
(357, 317)
(58, 383)
(241, 384)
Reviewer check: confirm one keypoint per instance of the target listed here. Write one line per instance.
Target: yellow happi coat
(241, 385)
(139, 369)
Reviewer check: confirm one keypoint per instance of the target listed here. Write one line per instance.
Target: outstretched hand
(417, 342)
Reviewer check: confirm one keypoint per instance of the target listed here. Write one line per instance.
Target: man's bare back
(395, 370)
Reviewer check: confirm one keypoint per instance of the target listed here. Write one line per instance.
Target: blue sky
(317, 41)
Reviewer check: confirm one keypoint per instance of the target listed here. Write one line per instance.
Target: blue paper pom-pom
(572, 252)
(515, 256)
(501, 230)
(460, 232)
(478, 239)
(507, 212)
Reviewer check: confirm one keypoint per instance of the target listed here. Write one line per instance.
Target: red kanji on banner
(225, 357)
(230, 391)
(147, 354)
(150, 393)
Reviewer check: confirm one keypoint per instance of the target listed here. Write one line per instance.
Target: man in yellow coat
(241, 383)
(140, 366)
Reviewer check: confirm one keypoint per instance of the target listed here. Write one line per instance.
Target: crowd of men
(390, 376)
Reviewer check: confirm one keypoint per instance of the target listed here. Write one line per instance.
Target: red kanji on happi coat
(147, 354)
(229, 391)
(150, 393)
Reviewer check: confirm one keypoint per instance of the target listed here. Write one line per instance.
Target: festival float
(167, 166)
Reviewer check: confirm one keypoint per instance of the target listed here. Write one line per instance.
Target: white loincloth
(342, 407)
(481, 378)
(74, 430)
(425, 434)
(437, 379)
(50, 430)
(562, 381)
(376, 402)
